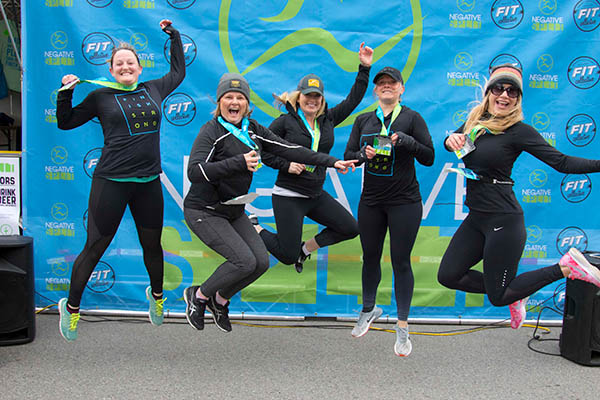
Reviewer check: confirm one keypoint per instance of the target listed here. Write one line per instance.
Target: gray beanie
(232, 82)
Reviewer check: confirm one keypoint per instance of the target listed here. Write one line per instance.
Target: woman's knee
(447, 278)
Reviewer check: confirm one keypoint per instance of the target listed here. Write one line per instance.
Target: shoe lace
(73, 321)
(159, 306)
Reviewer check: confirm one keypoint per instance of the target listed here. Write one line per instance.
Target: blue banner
(444, 49)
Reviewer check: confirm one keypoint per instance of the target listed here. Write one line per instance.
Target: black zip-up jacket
(494, 157)
(130, 119)
(218, 171)
(291, 128)
(391, 180)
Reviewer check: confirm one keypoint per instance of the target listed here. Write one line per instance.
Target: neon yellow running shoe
(155, 311)
(67, 322)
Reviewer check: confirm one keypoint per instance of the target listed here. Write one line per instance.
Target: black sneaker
(301, 258)
(253, 219)
(220, 314)
(194, 310)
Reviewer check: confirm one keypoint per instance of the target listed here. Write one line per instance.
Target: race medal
(382, 145)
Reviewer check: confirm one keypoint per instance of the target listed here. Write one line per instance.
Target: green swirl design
(344, 58)
(292, 8)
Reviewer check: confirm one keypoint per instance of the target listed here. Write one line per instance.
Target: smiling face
(388, 90)
(310, 103)
(233, 107)
(125, 67)
(501, 104)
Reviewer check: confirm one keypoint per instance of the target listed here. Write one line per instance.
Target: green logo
(344, 58)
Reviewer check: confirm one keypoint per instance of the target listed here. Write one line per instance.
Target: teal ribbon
(241, 134)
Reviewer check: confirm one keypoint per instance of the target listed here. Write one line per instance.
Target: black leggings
(499, 240)
(289, 213)
(107, 203)
(403, 222)
(246, 257)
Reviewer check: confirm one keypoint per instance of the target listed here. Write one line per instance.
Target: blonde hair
(496, 124)
(292, 98)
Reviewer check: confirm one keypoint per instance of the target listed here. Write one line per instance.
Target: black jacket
(291, 128)
(217, 167)
(391, 180)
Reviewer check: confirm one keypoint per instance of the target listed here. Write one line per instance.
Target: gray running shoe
(365, 319)
(403, 346)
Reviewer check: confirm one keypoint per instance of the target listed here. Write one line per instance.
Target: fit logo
(584, 72)
(507, 14)
(97, 48)
(91, 160)
(571, 236)
(189, 49)
(576, 188)
(580, 130)
(586, 15)
(99, 3)
(102, 278)
(179, 109)
(181, 4)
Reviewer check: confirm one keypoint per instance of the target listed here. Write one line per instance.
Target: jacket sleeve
(202, 168)
(274, 144)
(533, 143)
(270, 159)
(176, 74)
(418, 143)
(340, 112)
(68, 117)
(353, 149)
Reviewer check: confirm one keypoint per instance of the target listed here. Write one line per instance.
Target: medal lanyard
(395, 113)
(314, 134)
(240, 134)
(100, 82)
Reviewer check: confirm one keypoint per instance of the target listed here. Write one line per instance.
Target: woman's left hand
(342, 166)
(365, 55)
(164, 23)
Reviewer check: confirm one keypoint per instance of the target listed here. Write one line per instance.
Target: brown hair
(123, 46)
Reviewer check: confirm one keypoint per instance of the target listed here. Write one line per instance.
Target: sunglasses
(511, 91)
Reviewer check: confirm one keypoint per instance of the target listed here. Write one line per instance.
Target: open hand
(342, 166)
(365, 55)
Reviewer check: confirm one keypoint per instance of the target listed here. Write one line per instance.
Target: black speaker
(17, 308)
(580, 336)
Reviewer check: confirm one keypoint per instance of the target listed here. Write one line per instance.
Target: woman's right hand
(455, 141)
(252, 160)
(69, 78)
(296, 168)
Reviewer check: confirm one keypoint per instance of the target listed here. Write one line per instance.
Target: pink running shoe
(518, 312)
(580, 267)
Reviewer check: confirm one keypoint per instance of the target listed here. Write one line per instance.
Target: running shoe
(194, 308)
(365, 319)
(220, 314)
(301, 258)
(518, 312)
(155, 310)
(67, 322)
(580, 267)
(403, 345)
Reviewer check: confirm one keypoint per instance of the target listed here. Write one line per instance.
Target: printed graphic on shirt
(380, 164)
(140, 112)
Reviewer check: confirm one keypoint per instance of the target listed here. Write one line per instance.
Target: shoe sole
(370, 323)
(584, 264)
(403, 355)
(525, 300)
(187, 303)
(60, 314)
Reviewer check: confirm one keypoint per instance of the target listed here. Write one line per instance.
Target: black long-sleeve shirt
(494, 157)
(291, 128)
(130, 120)
(218, 171)
(391, 180)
